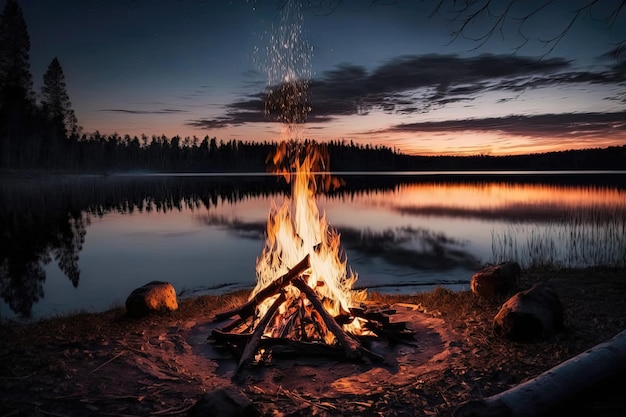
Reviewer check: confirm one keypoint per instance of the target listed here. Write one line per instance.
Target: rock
(155, 296)
(224, 402)
(495, 280)
(530, 315)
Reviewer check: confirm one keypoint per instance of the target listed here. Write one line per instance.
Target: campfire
(304, 300)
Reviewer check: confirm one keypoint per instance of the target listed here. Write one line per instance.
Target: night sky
(381, 72)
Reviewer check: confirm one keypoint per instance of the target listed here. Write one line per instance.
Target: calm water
(73, 243)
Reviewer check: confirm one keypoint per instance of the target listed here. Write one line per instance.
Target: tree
(56, 104)
(16, 96)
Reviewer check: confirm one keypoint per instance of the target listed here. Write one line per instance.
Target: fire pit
(303, 301)
(302, 325)
(424, 346)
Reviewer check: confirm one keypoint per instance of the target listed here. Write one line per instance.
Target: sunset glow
(198, 69)
(499, 194)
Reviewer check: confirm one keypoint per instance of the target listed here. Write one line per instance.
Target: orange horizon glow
(414, 144)
(501, 194)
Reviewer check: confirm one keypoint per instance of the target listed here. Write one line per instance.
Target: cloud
(129, 111)
(543, 125)
(417, 84)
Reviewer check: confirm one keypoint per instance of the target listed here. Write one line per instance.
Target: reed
(589, 237)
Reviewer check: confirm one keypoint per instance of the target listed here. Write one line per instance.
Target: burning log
(351, 346)
(247, 309)
(252, 344)
(555, 386)
(303, 324)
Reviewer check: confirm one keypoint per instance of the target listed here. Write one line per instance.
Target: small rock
(495, 280)
(224, 402)
(530, 315)
(155, 296)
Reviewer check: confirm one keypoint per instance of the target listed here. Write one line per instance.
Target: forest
(41, 133)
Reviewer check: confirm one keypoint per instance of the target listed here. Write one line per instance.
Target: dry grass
(590, 237)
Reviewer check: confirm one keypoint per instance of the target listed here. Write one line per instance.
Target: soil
(107, 364)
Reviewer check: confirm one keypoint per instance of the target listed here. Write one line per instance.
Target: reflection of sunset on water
(498, 195)
(198, 231)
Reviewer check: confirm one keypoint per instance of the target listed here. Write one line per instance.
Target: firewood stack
(304, 326)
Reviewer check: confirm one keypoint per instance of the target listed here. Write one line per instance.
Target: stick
(251, 347)
(108, 362)
(247, 309)
(351, 346)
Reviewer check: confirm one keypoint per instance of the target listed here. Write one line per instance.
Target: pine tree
(56, 103)
(15, 77)
(16, 96)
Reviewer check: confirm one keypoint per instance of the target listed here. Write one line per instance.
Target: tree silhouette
(71, 236)
(56, 104)
(23, 287)
(16, 96)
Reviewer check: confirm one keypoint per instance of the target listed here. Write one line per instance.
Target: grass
(585, 238)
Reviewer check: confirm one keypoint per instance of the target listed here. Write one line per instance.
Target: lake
(74, 243)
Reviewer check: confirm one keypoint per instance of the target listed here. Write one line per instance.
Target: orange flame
(297, 228)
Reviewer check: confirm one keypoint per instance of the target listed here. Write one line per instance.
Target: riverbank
(107, 364)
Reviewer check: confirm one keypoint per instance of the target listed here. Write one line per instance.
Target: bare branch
(478, 20)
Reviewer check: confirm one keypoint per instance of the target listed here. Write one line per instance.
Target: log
(379, 316)
(283, 348)
(221, 336)
(252, 344)
(351, 346)
(247, 309)
(546, 391)
(280, 346)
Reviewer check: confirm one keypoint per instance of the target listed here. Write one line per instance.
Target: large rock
(224, 402)
(530, 315)
(495, 280)
(155, 296)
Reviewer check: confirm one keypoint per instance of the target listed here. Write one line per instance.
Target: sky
(380, 72)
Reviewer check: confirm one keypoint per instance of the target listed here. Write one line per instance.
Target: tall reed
(587, 237)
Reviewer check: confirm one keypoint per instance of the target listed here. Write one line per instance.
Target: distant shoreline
(111, 157)
(37, 174)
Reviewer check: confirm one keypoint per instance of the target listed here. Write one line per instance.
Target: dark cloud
(544, 125)
(162, 111)
(418, 84)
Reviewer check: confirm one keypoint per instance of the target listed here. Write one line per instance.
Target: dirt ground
(106, 364)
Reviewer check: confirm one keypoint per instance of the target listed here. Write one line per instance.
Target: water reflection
(402, 246)
(30, 240)
(511, 202)
(47, 220)
(432, 224)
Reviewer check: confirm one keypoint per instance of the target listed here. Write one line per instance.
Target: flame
(297, 228)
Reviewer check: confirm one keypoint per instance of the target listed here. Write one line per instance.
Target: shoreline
(243, 291)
